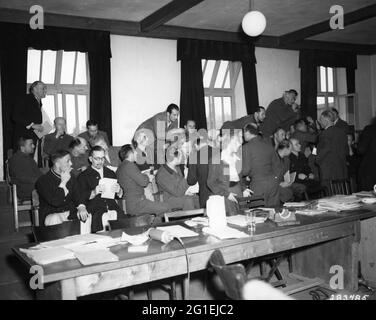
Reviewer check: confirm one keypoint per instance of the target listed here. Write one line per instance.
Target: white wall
(145, 79)
(363, 87)
(277, 70)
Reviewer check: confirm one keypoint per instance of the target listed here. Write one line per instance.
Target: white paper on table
(178, 231)
(141, 248)
(135, 240)
(225, 233)
(241, 221)
(48, 255)
(47, 127)
(77, 240)
(194, 189)
(96, 256)
(108, 184)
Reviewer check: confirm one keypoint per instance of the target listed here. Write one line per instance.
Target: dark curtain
(15, 39)
(309, 60)
(192, 93)
(190, 52)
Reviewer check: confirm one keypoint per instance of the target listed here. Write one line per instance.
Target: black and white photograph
(200, 151)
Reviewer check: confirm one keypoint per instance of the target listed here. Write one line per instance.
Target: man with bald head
(57, 140)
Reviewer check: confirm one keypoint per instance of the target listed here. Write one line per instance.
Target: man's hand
(65, 176)
(232, 197)
(247, 193)
(311, 176)
(302, 176)
(99, 189)
(37, 127)
(285, 184)
(82, 213)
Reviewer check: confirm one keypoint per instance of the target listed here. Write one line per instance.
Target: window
(327, 89)
(66, 75)
(219, 79)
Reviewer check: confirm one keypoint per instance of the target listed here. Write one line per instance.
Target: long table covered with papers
(317, 243)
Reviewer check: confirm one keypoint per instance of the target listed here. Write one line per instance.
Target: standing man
(27, 115)
(23, 170)
(280, 113)
(255, 119)
(261, 164)
(58, 140)
(93, 133)
(331, 150)
(339, 123)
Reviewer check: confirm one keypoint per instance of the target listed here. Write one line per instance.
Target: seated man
(79, 155)
(299, 164)
(223, 178)
(112, 160)
(23, 170)
(57, 191)
(57, 140)
(92, 133)
(278, 136)
(171, 182)
(288, 190)
(133, 183)
(91, 187)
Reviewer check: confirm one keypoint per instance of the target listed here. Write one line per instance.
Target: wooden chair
(19, 205)
(233, 277)
(181, 214)
(58, 231)
(340, 187)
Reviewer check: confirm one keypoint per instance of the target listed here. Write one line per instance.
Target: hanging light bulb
(254, 22)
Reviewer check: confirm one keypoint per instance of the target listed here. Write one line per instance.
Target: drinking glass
(250, 217)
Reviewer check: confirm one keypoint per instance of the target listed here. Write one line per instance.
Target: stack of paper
(225, 233)
(88, 257)
(179, 231)
(241, 221)
(48, 255)
(339, 203)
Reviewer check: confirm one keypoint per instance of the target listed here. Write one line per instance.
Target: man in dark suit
(255, 119)
(92, 133)
(23, 170)
(27, 116)
(133, 183)
(367, 149)
(79, 155)
(331, 150)
(91, 188)
(280, 114)
(58, 140)
(57, 191)
(260, 162)
(339, 123)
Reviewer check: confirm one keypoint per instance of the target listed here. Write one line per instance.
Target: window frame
(66, 89)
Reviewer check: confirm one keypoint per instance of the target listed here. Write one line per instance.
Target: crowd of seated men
(249, 156)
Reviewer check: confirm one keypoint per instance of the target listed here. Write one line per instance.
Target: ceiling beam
(167, 13)
(129, 28)
(318, 28)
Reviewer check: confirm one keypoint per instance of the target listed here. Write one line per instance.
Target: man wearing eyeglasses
(91, 188)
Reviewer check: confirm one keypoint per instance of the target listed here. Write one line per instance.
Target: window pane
(71, 113)
(227, 108)
(81, 68)
(82, 112)
(322, 79)
(227, 80)
(48, 67)
(49, 107)
(207, 111)
(203, 64)
(330, 80)
(221, 74)
(33, 65)
(218, 112)
(67, 67)
(320, 102)
(331, 102)
(208, 73)
(60, 105)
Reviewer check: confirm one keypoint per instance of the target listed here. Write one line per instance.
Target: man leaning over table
(90, 189)
(58, 194)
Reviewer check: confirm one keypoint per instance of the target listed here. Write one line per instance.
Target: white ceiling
(283, 16)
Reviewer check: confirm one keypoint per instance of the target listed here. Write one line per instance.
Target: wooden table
(318, 243)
